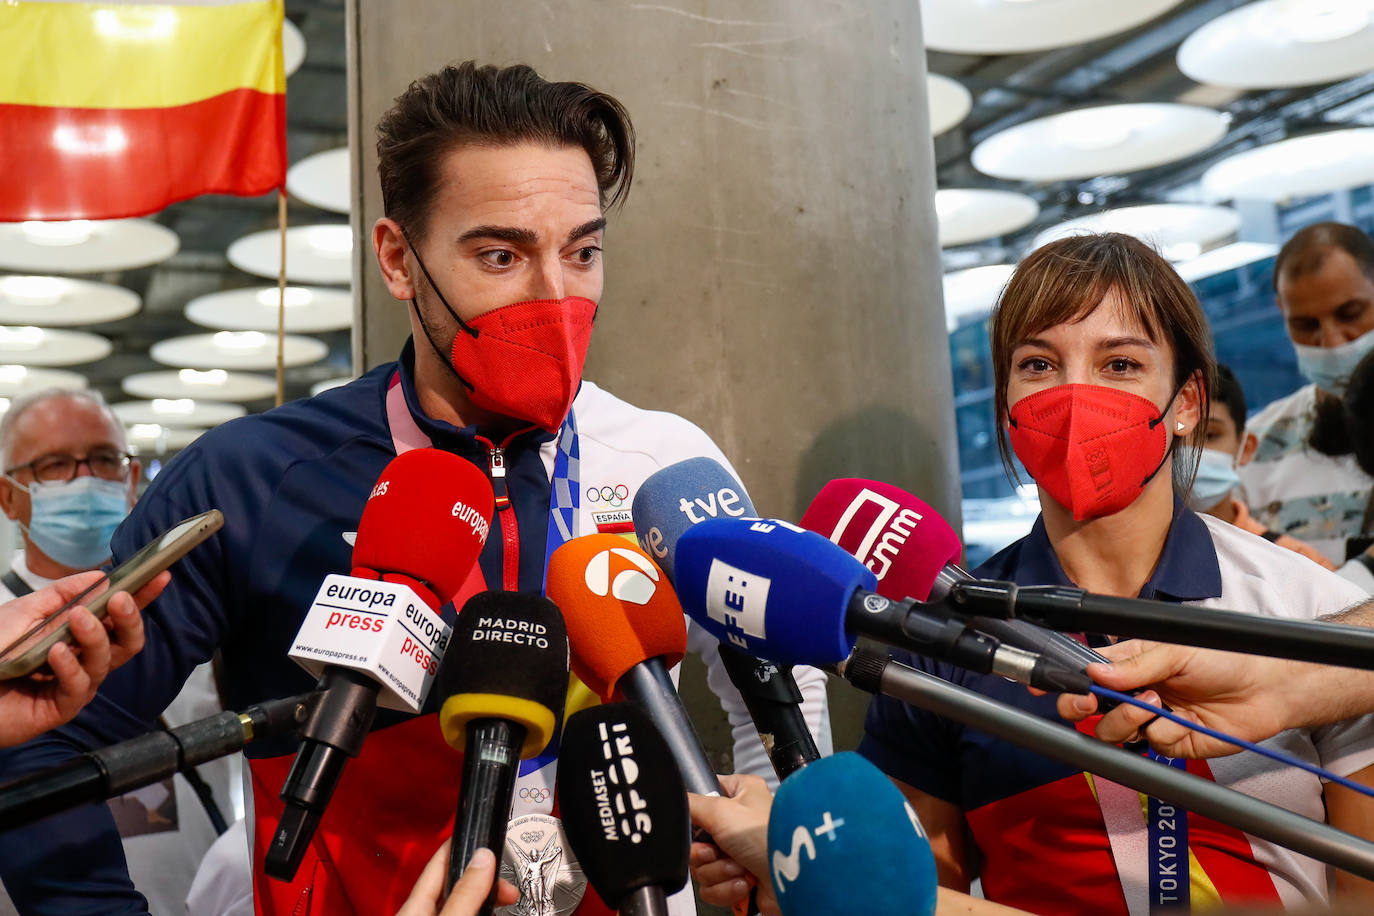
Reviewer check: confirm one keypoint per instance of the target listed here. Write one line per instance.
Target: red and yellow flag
(118, 109)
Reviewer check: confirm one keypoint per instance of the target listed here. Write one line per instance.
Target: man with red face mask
(494, 184)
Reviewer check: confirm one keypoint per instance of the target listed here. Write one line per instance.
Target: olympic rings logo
(538, 795)
(612, 496)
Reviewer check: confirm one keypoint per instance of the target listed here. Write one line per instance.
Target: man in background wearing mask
(69, 481)
(1217, 479)
(1303, 480)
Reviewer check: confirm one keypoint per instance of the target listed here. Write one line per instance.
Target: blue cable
(1247, 745)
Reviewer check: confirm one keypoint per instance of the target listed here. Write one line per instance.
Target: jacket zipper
(505, 515)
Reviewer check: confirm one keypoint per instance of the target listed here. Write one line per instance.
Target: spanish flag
(118, 109)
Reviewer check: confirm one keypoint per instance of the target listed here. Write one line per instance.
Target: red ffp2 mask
(1091, 447)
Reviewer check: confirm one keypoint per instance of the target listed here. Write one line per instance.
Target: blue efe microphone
(668, 503)
(842, 839)
(790, 595)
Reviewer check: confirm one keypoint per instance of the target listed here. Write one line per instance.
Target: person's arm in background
(72, 864)
(30, 706)
(1251, 697)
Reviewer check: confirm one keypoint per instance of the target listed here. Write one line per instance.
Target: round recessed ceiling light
(31, 346)
(949, 102)
(307, 310)
(236, 350)
(314, 254)
(1273, 44)
(177, 412)
(1013, 26)
(329, 383)
(292, 46)
(212, 384)
(1177, 231)
(1106, 140)
(973, 292)
(157, 439)
(84, 246)
(973, 214)
(60, 301)
(16, 380)
(321, 180)
(1297, 167)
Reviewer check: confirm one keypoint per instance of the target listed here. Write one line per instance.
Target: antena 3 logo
(465, 513)
(888, 525)
(635, 583)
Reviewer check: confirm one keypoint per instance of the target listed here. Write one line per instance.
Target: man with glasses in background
(68, 482)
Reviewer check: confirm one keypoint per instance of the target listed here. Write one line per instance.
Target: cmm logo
(609, 573)
(873, 528)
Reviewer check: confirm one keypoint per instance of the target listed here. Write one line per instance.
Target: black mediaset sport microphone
(503, 683)
(625, 808)
(668, 503)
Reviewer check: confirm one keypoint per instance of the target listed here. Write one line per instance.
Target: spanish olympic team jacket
(291, 484)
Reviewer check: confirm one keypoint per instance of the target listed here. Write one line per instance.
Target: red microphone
(375, 637)
(914, 553)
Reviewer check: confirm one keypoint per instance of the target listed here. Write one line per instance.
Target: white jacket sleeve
(750, 756)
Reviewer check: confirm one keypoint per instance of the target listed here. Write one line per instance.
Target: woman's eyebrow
(1113, 342)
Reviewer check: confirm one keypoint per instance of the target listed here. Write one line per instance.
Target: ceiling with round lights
(1297, 167)
(314, 254)
(84, 246)
(321, 180)
(31, 346)
(156, 439)
(211, 384)
(949, 102)
(1272, 44)
(1015, 26)
(16, 379)
(1104, 140)
(1177, 231)
(177, 412)
(292, 46)
(233, 350)
(967, 215)
(63, 302)
(329, 383)
(973, 292)
(308, 309)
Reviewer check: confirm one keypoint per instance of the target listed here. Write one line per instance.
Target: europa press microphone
(668, 503)
(913, 553)
(788, 594)
(502, 684)
(375, 636)
(625, 807)
(842, 839)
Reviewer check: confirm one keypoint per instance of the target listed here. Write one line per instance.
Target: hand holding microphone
(468, 895)
(738, 825)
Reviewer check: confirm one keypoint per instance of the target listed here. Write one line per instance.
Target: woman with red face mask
(1102, 358)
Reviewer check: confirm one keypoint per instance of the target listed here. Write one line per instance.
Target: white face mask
(1216, 477)
(1329, 368)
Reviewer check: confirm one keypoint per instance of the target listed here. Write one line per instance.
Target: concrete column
(775, 274)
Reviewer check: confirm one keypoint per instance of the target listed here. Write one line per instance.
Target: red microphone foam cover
(618, 606)
(427, 519)
(902, 540)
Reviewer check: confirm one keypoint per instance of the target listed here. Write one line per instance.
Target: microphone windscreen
(507, 658)
(843, 839)
(772, 589)
(679, 496)
(623, 802)
(427, 518)
(902, 540)
(619, 607)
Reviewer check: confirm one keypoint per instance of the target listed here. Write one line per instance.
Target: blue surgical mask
(1216, 477)
(72, 521)
(1329, 368)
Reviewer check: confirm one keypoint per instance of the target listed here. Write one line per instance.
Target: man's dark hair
(494, 106)
(1306, 250)
(1358, 405)
(1226, 392)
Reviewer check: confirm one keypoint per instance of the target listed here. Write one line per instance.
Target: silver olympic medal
(539, 862)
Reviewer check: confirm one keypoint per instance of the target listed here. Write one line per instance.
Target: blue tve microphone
(792, 596)
(668, 503)
(842, 839)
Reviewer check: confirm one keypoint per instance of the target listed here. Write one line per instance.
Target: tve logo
(873, 528)
(725, 500)
(634, 583)
(738, 599)
(787, 868)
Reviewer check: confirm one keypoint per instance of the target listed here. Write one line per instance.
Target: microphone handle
(48, 791)
(648, 686)
(773, 699)
(644, 901)
(491, 765)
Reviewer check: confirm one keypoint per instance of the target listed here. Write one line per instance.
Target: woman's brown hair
(1066, 279)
